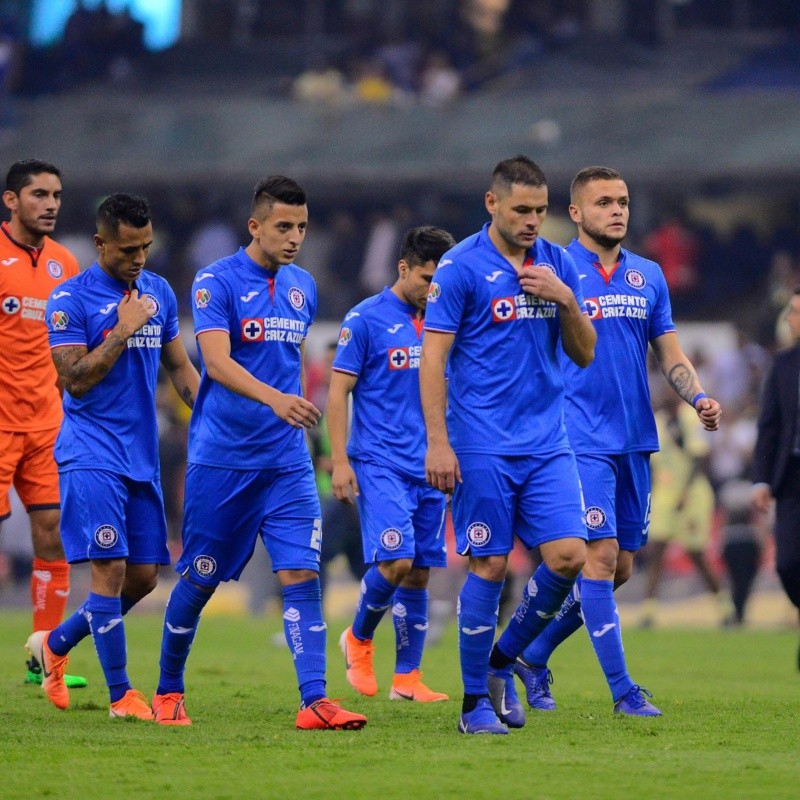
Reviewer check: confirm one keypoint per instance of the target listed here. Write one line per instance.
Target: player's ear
(253, 226)
(574, 213)
(10, 199)
(99, 242)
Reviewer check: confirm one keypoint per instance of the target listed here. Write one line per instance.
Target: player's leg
(386, 505)
(93, 527)
(292, 533)
(483, 511)
(36, 481)
(598, 476)
(410, 607)
(223, 511)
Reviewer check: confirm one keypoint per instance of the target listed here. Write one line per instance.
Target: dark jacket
(777, 422)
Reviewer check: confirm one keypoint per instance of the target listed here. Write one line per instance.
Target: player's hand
(134, 311)
(710, 412)
(441, 467)
(296, 410)
(543, 283)
(344, 483)
(761, 499)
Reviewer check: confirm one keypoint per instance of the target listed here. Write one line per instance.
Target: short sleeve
(446, 299)
(210, 303)
(661, 316)
(66, 318)
(351, 352)
(171, 325)
(571, 278)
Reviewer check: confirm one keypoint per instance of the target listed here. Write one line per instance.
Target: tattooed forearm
(684, 381)
(187, 396)
(81, 370)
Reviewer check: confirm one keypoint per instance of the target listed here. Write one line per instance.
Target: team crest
(205, 566)
(593, 308)
(153, 302)
(252, 330)
(106, 536)
(434, 292)
(202, 297)
(11, 305)
(595, 517)
(297, 298)
(345, 335)
(391, 539)
(478, 534)
(398, 358)
(503, 309)
(545, 265)
(54, 268)
(59, 320)
(635, 279)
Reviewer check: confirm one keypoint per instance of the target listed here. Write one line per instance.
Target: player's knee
(46, 535)
(601, 559)
(396, 571)
(568, 559)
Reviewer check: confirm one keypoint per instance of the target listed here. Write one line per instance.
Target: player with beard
(32, 265)
(611, 429)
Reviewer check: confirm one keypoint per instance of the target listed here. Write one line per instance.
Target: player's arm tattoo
(684, 381)
(187, 396)
(80, 370)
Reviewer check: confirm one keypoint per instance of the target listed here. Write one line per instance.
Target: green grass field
(730, 727)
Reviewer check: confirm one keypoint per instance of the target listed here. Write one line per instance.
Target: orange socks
(49, 593)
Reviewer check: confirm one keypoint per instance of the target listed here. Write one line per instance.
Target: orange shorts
(26, 460)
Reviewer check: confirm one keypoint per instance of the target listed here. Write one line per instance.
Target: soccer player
(250, 473)
(611, 429)
(110, 327)
(499, 303)
(383, 466)
(32, 265)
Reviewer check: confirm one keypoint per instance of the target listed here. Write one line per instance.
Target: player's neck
(514, 255)
(23, 236)
(608, 256)
(257, 254)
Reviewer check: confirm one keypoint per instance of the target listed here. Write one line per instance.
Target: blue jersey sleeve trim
(345, 371)
(441, 330)
(211, 328)
(67, 344)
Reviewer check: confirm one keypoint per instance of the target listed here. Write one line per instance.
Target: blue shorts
(400, 518)
(227, 509)
(616, 489)
(105, 515)
(538, 498)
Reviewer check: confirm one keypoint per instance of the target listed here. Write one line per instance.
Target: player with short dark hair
(249, 470)
(611, 429)
(32, 265)
(110, 328)
(383, 466)
(499, 304)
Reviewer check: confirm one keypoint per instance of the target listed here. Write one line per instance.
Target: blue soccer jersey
(113, 426)
(380, 344)
(506, 389)
(608, 403)
(267, 315)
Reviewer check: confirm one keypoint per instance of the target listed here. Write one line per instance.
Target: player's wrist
(697, 398)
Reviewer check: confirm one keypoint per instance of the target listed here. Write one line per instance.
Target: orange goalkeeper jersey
(29, 397)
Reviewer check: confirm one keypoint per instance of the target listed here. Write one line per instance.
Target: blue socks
(477, 621)
(566, 622)
(76, 628)
(541, 600)
(376, 597)
(305, 630)
(181, 618)
(108, 631)
(602, 623)
(410, 616)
